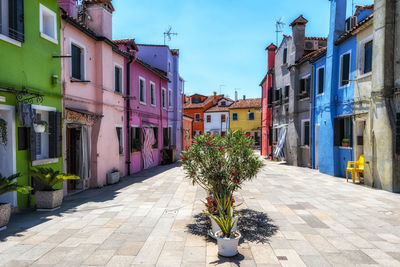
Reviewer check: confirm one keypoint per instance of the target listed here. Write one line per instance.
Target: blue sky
(221, 42)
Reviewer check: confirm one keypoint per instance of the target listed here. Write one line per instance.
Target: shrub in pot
(40, 126)
(212, 208)
(9, 184)
(113, 176)
(46, 178)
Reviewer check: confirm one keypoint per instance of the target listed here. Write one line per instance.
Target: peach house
(93, 82)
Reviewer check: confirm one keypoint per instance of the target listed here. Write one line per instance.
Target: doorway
(8, 151)
(316, 146)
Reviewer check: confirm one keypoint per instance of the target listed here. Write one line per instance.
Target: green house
(30, 91)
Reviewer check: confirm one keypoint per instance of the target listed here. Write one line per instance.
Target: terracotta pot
(227, 247)
(49, 199)
(345, 144)
(5, 213)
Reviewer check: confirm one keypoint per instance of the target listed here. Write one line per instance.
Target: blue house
(334, 77)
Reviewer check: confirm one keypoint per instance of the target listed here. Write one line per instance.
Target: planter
(345, 144)
(215, 228)
(49, 199)
(227, 247)
(5, 213)
(39, 128)
(112, 177)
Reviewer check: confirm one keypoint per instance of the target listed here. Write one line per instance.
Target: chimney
(68, 6)
(236, 96)
(244, 97)
(215, 96)
(100, 17)
(337, 23)
(271, 55)
(298, 34)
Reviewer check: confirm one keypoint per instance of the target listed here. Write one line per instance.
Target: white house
(216, 118)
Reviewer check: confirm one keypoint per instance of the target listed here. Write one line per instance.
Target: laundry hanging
(281, 141)
(148, 143)
(26, 114)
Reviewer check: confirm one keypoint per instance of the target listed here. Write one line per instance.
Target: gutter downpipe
(132, 58)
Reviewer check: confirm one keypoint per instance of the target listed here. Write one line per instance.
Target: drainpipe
(132, 58)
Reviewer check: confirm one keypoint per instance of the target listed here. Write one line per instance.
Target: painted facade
(187, 131)
(93, 97)
(292, 93)
(266, 95)
(216, 118)
(245, 115)
(32, 78)
(167, 60)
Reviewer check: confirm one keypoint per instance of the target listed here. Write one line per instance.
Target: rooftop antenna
(279, 28)
(168, 34)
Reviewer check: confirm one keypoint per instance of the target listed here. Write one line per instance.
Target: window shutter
(32, 144)
(55, 134)
(345, 69)
(16, 19)
(321, 80)
(337, 132)
(76, 62)
(368, 57)
(132, 139)
(270, 97)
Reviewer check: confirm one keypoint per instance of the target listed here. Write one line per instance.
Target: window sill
(153, 105)
(48, 38)
(344, 86)
(142, 103)
(44, 161)
(364, 75)
(321, 94)
(10, 40)
(345, 147)
(305, 147)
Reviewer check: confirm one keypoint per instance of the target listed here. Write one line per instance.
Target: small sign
(2, 99)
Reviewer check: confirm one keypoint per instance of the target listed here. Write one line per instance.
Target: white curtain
(85, 152)
(281, 141)
(149, 141)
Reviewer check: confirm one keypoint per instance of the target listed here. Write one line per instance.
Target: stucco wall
(216, 124)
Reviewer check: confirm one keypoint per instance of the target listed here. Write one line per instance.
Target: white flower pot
(227, 247)
(113, 177)
(39, 128)
(215, 228)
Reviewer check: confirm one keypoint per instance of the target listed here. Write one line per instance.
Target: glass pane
(368, 57)
(76, 58)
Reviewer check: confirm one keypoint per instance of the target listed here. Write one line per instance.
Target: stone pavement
(291, 217)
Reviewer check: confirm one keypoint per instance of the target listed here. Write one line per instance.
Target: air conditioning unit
(311, 45)
(351, 22)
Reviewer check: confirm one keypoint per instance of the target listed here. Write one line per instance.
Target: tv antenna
(168, 34)
(279, 28)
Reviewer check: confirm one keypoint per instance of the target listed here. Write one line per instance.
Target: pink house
(93, 82)
(147, 107)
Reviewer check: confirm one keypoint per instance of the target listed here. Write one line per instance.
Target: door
(317, 146)
(8, 151)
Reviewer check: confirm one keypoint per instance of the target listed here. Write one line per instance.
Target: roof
(361, 8)
(107, 3)
(217, 108)
(271, 47)
(299, 20)
(316, 38)
(174, 52)
(125, 42)
(187, 116)
(265, 77)
(209, 99)
(158, 72)
(350, 32)
(319, 53)
(247, 103)
(310, 55)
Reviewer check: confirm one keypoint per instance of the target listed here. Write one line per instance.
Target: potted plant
(345, 142)
(113, 176)
(3, 132)
(47, 197)
(9, 184)
(227, 237)
(40, 126)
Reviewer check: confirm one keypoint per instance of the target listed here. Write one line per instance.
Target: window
(284, 60)
(223, 133)
(234, 116)
(142, 91)
(166, 137)
(152, 93)
(163, 96)
(77, 62)
(367, 66)
(46, 145)
(320, 80)
(223, 118)
(169, 97)
(155, 129)
(136, 141)
(169, 66)
(120, 140)
(196, 99)
(305, 132)
(12, 21)
(208, 118)
(305, 86)
(344, 70)
(223, 103)
(117, 79)
(287, 91)
(197, 117)
(48, 24)
(343, 131)
(251, 116)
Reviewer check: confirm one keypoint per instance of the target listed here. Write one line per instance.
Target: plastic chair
(360, 167)
(356, 168)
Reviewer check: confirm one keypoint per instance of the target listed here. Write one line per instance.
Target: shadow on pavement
(23, 220)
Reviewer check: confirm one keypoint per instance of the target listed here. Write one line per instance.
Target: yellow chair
(356, 168)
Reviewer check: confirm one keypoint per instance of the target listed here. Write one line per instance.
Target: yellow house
(245, 115)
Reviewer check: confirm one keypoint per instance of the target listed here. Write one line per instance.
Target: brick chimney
(68, 6)
(244, 97)
(298, 34)
(215, 96)
(100, 17)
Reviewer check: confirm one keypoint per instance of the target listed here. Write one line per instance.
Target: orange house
(187, 131)
(195, 105)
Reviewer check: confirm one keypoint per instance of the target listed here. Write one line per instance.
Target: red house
(267, 94)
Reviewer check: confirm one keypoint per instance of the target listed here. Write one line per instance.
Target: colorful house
(167, 60)
(195, 106)
(94, 87)
(217, 117)
(266, 96)
(187, 131)
(29, 91)
(245, 115)
(334, 94)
